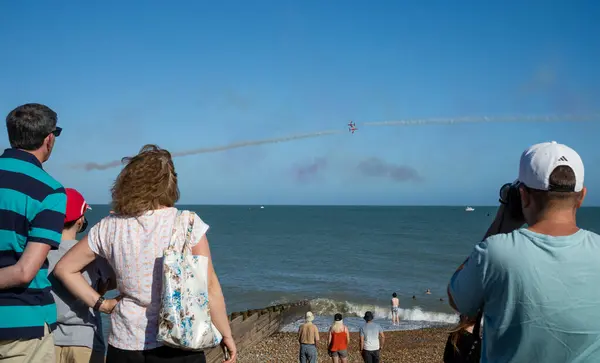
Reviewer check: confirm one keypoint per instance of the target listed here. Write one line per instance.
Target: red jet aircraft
(352, 127)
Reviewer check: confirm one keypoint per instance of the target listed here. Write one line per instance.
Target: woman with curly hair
(132, 239)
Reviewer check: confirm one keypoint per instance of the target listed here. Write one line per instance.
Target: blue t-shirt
(370, 332)
(540, 293)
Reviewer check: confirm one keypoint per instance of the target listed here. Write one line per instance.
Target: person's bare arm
(317, 338)
(347, 334)
(216, 300)
(68, 271)
(329, 338)
(381, 339)
(28, 265)
(362, 343)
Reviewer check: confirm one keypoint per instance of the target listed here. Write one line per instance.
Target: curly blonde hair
(147, 182)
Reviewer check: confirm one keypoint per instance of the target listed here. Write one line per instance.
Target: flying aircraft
(352, 127)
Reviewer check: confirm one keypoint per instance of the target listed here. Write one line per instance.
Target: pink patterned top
(134, 248)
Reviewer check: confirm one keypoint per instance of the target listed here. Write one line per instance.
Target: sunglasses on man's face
(57, 131)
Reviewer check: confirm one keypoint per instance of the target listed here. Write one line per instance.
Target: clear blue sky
(194, 74)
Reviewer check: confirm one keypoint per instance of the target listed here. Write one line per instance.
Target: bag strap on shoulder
(189, 230)
(174, 230)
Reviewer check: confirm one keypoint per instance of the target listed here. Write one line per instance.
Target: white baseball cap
(540, 160)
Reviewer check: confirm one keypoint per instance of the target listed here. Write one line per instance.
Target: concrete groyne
(251, 326)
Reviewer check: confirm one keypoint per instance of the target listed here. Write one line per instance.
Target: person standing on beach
(32, 211)
(78, 337)
(536, 286)
(395, 309)
(133, 241)
(371, 340)
(308, 337)
(339, 338)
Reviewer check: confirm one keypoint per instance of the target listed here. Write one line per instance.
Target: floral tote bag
(184, 320)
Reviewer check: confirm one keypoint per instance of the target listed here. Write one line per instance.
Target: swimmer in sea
(428, 292)
(395, 309)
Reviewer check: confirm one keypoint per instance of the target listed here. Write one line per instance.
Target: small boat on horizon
(469, 209)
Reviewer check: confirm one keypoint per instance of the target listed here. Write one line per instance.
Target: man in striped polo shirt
(32, 211)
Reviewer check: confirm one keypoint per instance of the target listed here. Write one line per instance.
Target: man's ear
(525, 197)
(581, 197)
(48, 140)
(48, 143)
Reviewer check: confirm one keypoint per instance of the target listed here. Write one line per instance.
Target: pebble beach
(409, 346)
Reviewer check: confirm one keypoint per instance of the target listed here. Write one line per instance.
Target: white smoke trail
(254, 143)
(481, 119)
(428, 121)
(96, 166)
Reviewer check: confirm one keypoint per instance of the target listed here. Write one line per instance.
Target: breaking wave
(411, 319)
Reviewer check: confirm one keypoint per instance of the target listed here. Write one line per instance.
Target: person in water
(395, 309)
(339, 338)
(460, 342)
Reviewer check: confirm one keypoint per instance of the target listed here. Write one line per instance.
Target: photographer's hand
(503, 223)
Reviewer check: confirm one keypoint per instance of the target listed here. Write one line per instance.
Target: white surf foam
(411, 319)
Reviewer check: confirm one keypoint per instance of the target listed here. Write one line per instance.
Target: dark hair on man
(561, 190)
(28, 125)
(70, 224)
(394, 295)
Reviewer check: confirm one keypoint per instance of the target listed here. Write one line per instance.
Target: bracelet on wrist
(98, 303)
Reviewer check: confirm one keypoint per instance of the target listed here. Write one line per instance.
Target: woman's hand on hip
(108, 305)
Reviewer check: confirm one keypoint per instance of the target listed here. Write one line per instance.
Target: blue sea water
(345, 259)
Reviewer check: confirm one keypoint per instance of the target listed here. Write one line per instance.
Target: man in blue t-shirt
(537, 285)
(371, 340)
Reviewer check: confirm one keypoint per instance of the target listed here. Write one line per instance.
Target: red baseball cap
(76, 205)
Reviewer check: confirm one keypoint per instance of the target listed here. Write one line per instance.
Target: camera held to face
(510, 196)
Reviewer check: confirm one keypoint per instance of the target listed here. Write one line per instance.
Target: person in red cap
(78, 337)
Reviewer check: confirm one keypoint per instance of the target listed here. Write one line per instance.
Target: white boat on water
(469, 209)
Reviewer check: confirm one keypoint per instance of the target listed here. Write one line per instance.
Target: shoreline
(407, 346)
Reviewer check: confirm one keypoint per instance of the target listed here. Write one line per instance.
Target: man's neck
(68, 235)
(555, 223)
